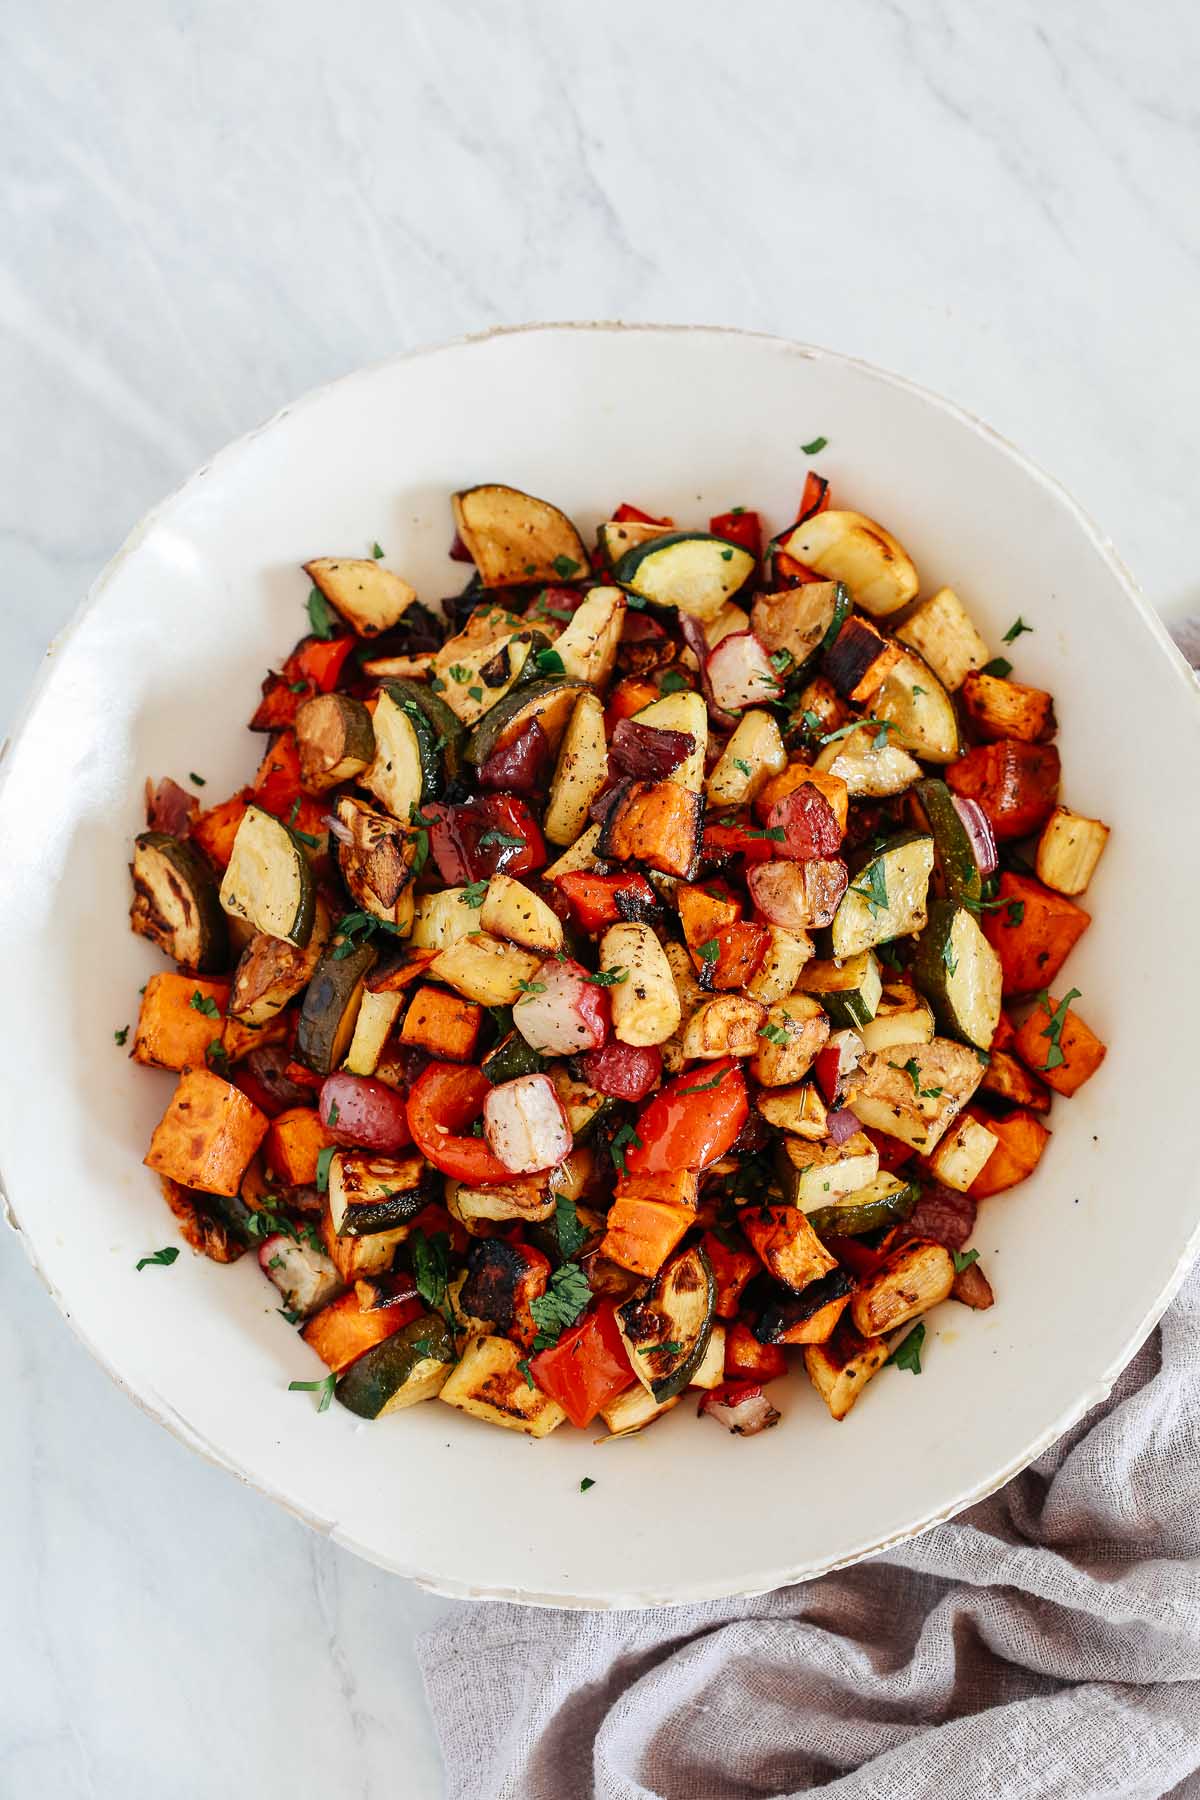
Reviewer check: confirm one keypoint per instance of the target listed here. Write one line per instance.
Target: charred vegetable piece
(175, 902)
(1015, 784)
(374, 855)
(271, 971)
(330, 1010)
(885, 1201)
(335, 739)
(503, 1278)
(411, 1365)
(666, 1330)
(490, 1384)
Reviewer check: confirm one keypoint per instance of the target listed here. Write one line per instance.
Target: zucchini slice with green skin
(370, 1193)
(407, 765)
(803, 620)
(887, 896)
(335, 741)
(176, 903)
(886, 1201)
(960, 973)
(666, 1330)
(444, 723)
(268, 880)
(692, 571)
(407, 1367)
(550, 701)
(512, 1057)
(330, 1010)
(921, 710)
(849, 992)
(583, 1105)
(956, 873)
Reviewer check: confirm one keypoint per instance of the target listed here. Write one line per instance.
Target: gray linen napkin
(1044, 1643)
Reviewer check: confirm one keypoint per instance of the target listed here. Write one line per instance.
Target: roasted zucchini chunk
(516, 539)
(374, 856)
(850, 991)
(369, 1193)
(490, 1384)
(692, 571)
(411, 1365)
(956, 874)
(871, 764)
(335, 739)
(902, 1017)
(803, 621)
(886, 897)
(883, 1202)
(548, 703)
(330, 1010)
(268, 881)
(175, 903)
(366, 594)
(667, 1329)
(919, 709)
(914, 1091)
(407, 765)
(271, 971)
(478, 1209)
(816, 1175)
(960, 972)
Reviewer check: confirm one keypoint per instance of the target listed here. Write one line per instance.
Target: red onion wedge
(647, 752)
(842, 1124)
(740, 672)
(693, 636)
(979, 831)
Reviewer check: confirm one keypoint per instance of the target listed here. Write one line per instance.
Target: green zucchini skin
(630, 571)
(376, 1382)
(512, 1057)
(959, 973)
(956, 873)
(161, 862)
(443, 724)
(856, 925)
(506, 715)
(850, 1007)
(661, 1316)
(330, 1007)
(855, 1221)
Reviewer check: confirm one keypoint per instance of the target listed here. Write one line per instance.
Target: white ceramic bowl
(159, 674)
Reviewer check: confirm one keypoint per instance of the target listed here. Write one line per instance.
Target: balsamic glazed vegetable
(638, 977)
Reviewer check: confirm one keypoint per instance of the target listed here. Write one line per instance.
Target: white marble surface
(212, 208)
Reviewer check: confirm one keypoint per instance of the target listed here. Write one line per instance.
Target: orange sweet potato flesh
(171, 1032)
(681, 1187)
(216, 829)
(820, 1327)
(733, 1270)
(1081, 1048)
(294, 1142)
(1016, 784)
(1010, 1080)
(642, 1233)
(442, 1023)
(207, 1135)
(1034, 936)
(1022, 1138)
(341, 1332)
(657, 822)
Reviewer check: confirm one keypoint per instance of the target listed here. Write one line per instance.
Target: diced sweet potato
(658, 823)
(787, 1244)
(747, 1359)
(1022, 1138)
(641, 1234)
(442, 1023)
(733, 1269)
(216, 829)
(171, 1032)
(680, 1187)
(1010, 1080)
(1016, 784)
(341, 1331)
(207, 1135)
(1081, 1050)
(293, 1145)
(999, 708)
(819, 1326)
(394, 974)
(1033, 934)
(238, 1040)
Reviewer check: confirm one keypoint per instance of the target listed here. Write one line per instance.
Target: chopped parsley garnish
(321, 615)
(963, 1259)
(161, 1259)
(727, 556)
(812, 721)
(1015, 629)
(907, 1355)
(120, 1036)
(621, 1140)
(292, 1317)
(217, 1057)
(549, 662)
(299, 687)
(504, 839)
(1057, 1019)
(474, 894)
(745, 768)
(948, 956)
(196, 780)
(781, 661)
(672, 682)
(377, 551)
(709, 951)
(531, 987)
(355, 928)
(917, 690)
(564, 567)
(999, 666)
(875, 892)
(774, 1034)
(324, 1158)
(571, 1234)
(671, 1349)
(526, 1371)
(475, 693)
(608, 977)
(324, 1388)
(431, 1267)
(585, 1484)
(204, 1003)
(304, 836)
(881, 727)
(566, 1297)
(912, 1070)
(702, 1087)
(421, 828)
(334, 1113)
(814, 449)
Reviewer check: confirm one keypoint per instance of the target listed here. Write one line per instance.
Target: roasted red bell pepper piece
(748, 1360)
(626, 515)
(277, 781)
(815, 497)
(786, 571)
(588, 1367)
(692, 1121)
(314, 667)
(736, 835)
(628, 697)
(598, 901)
(740, 527)
(555, 605)
(496, 834)
(893, 1153)
(443, 1103)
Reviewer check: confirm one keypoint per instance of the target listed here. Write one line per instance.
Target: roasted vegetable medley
(639, 971)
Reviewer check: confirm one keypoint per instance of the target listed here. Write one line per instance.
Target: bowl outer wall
(158, 674)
